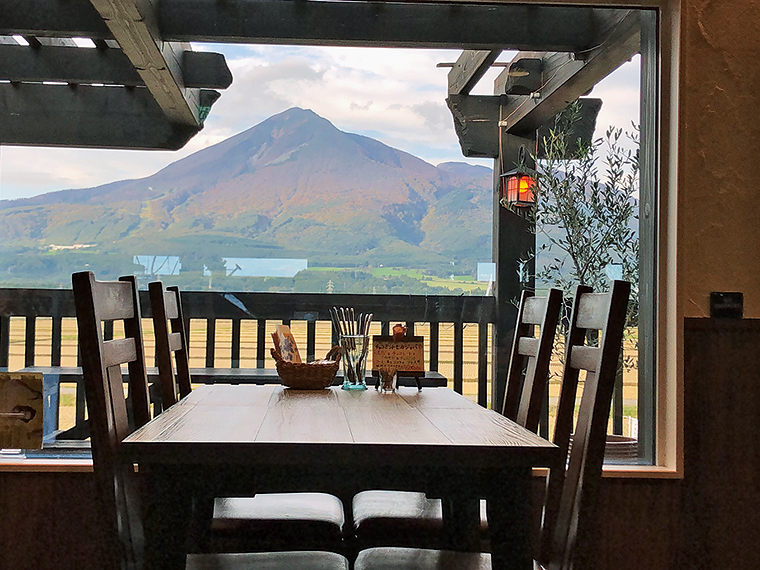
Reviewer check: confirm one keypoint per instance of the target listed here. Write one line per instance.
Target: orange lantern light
(517, 189)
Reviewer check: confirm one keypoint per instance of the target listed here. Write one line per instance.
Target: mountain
(291, 186)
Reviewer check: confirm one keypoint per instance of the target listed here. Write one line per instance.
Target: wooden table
(227, 440)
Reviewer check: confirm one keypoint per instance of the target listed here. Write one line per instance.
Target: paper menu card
(287, 344)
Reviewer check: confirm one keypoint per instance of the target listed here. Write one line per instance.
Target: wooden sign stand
(406, 357)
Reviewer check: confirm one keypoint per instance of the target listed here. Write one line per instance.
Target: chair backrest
(99, 302)
(525, 395)
(167, 311)
(570, 491)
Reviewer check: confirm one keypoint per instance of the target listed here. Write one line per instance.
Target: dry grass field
(222, 352)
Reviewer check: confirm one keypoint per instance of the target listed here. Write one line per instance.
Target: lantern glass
(518, 189)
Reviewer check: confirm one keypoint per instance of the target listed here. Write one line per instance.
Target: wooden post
(513, 240)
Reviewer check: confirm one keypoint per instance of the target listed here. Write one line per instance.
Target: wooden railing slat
(55, 345)
(29, 340)
(261, 342)
(434, 346)
(5, 339)
(483, 364)
(81, 403)
(108, 330)
(458, 356)
(235, 353)
(311, 340)
(210, 341)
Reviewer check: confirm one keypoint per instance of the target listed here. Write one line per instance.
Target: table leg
(168, 511)
(461, 520)
(509, 521)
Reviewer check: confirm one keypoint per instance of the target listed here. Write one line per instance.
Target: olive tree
(585, 222)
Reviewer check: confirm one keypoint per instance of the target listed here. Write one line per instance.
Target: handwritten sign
(405, 356)
(21, 406)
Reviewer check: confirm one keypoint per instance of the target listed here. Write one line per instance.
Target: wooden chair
(398, 518)
(571, 491)
(98, 302)
(268, 521)
(167, 314)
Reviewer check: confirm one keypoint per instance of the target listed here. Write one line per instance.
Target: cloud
(356, 107)
(394, 95)
(435, 115)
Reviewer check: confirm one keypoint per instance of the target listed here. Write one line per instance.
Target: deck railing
(231, 329)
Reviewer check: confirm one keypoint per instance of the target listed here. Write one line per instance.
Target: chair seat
(271, 521)
(397, 518)
(400, 518)
(385, 558)
(267, 561)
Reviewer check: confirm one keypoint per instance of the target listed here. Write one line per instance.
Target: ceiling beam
(86, 116)
(67, 64)
(107, 66)
(566, 77)
(469, 69)
(56, 18)
(476, 122)
(330, 22)
(135, 26)
(205, 70)
(400, 24)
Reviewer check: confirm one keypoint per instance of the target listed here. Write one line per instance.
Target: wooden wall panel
(48, 521)
(636, 526)
(721, 486)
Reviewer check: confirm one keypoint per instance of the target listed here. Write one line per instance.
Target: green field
(458, 283)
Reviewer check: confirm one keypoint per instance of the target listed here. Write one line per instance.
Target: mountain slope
(294, 185)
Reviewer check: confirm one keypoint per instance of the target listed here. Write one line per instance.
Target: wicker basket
(315, 375)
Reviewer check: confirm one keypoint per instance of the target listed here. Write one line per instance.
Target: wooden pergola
(143, 87)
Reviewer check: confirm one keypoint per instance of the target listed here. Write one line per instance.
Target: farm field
(222, 352)
(462, 282)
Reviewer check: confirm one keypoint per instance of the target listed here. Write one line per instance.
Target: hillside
(291, 186)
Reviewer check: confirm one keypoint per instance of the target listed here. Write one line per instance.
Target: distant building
(486, 271)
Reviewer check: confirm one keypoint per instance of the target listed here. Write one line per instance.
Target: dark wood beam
(469, 69)
(57, 18)
(205, 69)
(476, 122)
(522, 76)
(135, 27)
(67, 64)
(471, 26)
(567, 77)
(86, 116)
(107, 66)
(466, 26)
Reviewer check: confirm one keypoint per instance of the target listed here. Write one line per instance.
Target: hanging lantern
(517, 189)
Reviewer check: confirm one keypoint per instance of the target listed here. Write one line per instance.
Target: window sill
(14, 465)
(640, 472)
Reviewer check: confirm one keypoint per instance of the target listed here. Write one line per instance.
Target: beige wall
(719, 155)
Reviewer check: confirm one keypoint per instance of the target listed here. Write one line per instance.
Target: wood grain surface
(260, 424)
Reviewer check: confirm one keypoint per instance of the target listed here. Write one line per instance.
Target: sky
(394, 95)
